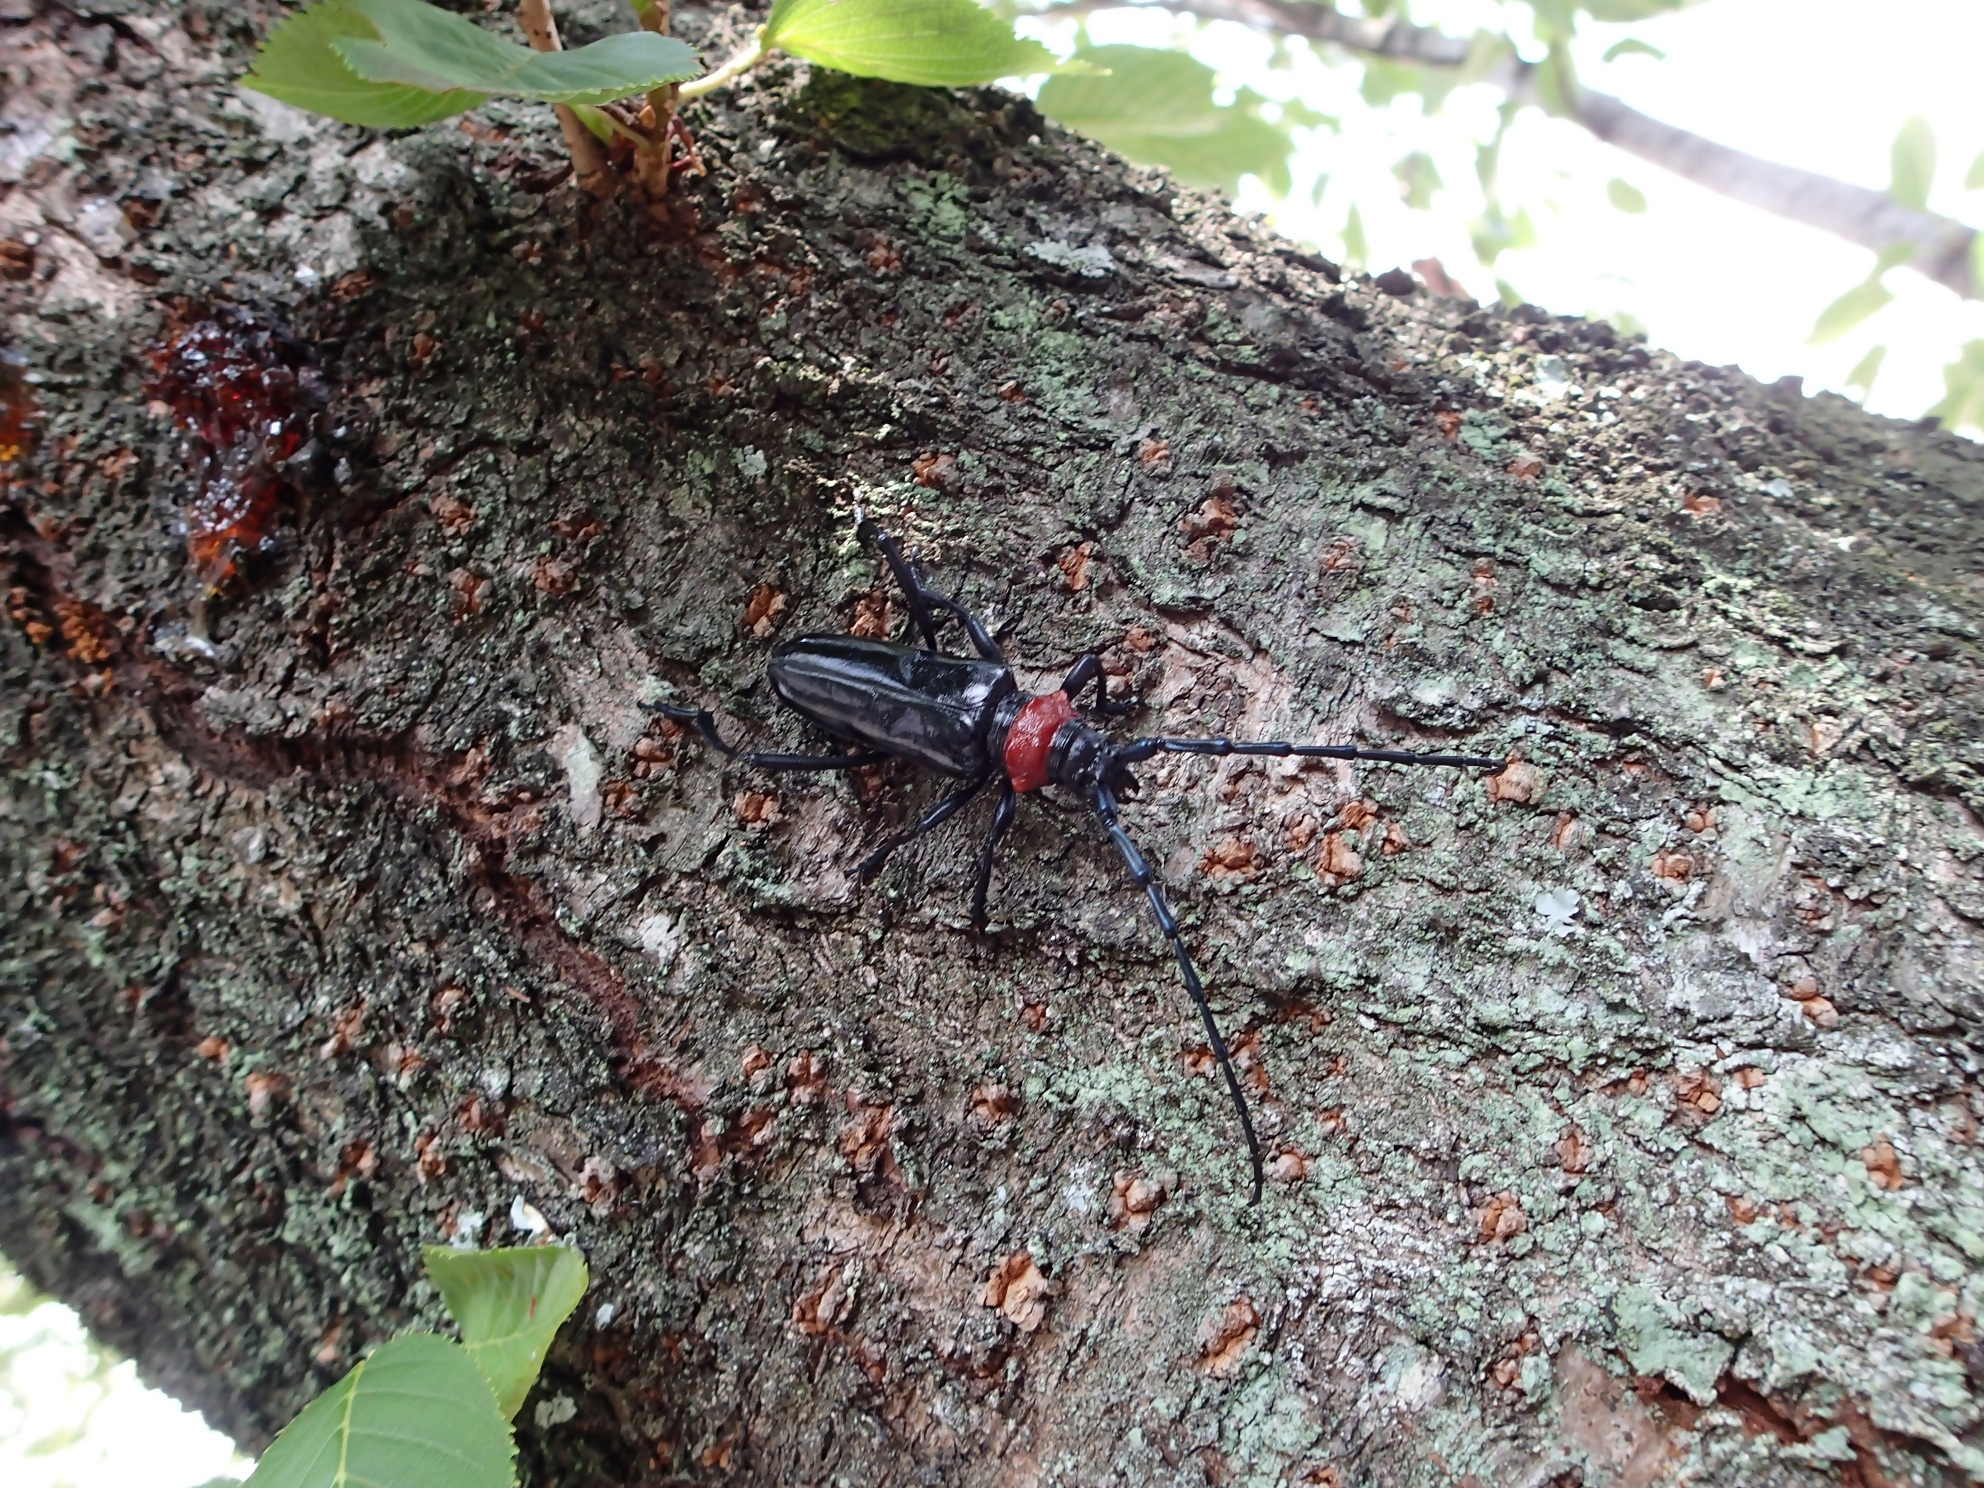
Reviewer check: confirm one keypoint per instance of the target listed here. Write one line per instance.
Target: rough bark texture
(1624, 1109)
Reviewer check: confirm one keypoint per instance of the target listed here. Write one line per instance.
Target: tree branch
(1872, 219)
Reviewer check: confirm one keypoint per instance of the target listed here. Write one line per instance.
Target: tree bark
(1623, 1109)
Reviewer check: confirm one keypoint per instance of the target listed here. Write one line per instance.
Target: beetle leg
(981, 642)
(905, 576)
(921, 596)
(705, 724)
(1104, 804)
(942, 812)
(1002, 818)
(1087, 670)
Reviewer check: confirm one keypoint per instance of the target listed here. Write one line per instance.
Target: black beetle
(967, 718)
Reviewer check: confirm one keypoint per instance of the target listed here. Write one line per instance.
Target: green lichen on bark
(1623, 1109)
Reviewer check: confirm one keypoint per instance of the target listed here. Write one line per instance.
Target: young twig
(651, 162)
(752, 53)
(589, 162)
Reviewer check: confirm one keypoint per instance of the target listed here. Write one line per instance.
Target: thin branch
(589, 162)
(1944, 247)
(1873, 219)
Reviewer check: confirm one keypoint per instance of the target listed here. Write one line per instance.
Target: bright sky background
(70, 1418)
(1824, 84)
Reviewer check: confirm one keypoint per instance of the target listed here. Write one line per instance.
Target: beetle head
(1081, 759)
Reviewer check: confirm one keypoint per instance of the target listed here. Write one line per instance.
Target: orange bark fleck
(1224, 1341)
(1019, 1291)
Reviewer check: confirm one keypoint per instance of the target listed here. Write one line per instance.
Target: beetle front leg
(704, 724)
(1087, 670)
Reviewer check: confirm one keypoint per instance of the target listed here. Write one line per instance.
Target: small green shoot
(396, 63)
(508, 1304)
(424, 1411)
(415, 1413)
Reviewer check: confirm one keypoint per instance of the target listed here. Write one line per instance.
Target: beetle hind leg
(1103, 803)
(905, 576)
(704, 723)
(942, 812)
(922, 598)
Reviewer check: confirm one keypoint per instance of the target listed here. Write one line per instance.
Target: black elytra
(965, 717)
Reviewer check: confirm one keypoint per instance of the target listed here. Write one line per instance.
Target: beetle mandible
(966, 717)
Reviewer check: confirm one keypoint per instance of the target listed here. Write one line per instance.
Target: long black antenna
(1104, 802)
(1142, 749)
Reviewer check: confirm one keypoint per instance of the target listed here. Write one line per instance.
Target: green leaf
(1157, 107)
(1355, 249)
(1914, 158)
(1963, 379)
(424, 46)
(1973, 179)
(508, 1304)
(1557, 83)
(936, 43)
(1633, 47)
(1866, 370)
(1556, 20)
(1977, 260)
(1510, 296)
(416, 1413)
(1846, 312)
(397, 63)
(1892, 257)
(1625, 196)
(1627, 11)
(1386, 79)
(1418, 179)
(299, 65)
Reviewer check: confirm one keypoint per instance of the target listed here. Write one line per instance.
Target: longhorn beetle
(966, 718)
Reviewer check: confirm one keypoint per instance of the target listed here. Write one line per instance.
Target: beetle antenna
(1103, 801)
(1136, 750)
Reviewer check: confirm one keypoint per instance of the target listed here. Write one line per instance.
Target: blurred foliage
(1964, 403)
(1163, 107)
(53, 1378)
(72, 1413)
